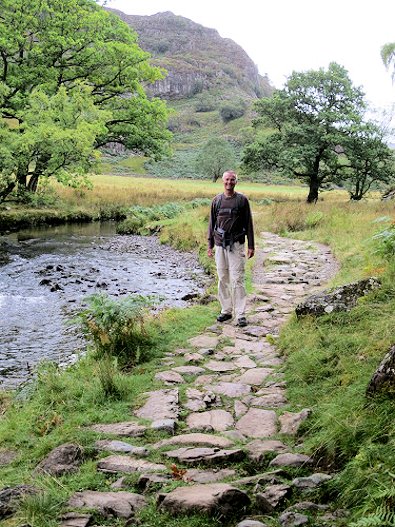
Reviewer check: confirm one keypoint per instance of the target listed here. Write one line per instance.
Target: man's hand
(250, 253)
(209, 252)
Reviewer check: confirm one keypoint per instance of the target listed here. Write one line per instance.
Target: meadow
(329, 360)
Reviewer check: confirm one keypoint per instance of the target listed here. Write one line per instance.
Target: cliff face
(196, 58)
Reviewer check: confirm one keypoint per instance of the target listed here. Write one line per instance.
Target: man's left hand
(250, 253)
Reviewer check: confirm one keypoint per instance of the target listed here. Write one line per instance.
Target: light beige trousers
(230, 269)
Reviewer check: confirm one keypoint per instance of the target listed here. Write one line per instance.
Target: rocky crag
(196, 58)
(230, 444)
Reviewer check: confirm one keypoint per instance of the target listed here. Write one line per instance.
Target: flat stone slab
(272, 400)
(256, 331)
(290, 422)
(291, 460)
(204, 341)
(195, 400)
(127, 465)
(254, 377)
(161, 404)
(258, 423)
(212, 420)
(213, 499)
(245, 362)
(169, 377)
(189, 370)
(109, 445)
(258, 449)
(204, 455)
(208, 476)
(220, 366)
(75, 519)
(230, 389)
(119, 504)
(196, 439)
(311, 482)
(128, 428)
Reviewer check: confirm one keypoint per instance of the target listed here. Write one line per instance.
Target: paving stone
(257, 423)
(212, 420)
(147, 482)
(293, 519)
(127, 465)
(251, 523)
(204, 341)
(258, 449)
(213, 499)
(128, 428)
(161, 404)
(195, 439)
(256, 331)
(273, 400)
(119, 504)
(240, 409)
(204, 379)
(291, 460)
(164, 425)
(290, 422)
(194, 358)
(120, 446)
(255, 376)
(189, 370)
(204, 455)
(169, 377)
(230, 389)
(220, 366)
(311, 482)
(208, 476)
(195, 400)
(245, 362)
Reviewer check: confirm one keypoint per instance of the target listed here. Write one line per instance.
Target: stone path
(221, 406)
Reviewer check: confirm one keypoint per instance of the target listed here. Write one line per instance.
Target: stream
(45, 274)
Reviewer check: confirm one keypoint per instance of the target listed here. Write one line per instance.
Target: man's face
(229, 182)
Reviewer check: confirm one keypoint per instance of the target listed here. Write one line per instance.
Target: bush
(116, 327)
(230, 111)
(386, 242)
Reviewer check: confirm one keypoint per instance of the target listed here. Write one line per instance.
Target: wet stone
(212, 420)
(207, 456)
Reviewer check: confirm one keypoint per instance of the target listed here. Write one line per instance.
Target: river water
(47, 272)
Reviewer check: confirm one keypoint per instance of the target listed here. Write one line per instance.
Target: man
(229, 225)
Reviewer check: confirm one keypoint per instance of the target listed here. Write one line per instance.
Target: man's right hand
(209, 252)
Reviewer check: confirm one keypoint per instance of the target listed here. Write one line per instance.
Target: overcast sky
(281, 36)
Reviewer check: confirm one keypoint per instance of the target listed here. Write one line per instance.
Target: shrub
(230, 111)
(386, 242)
(116, 327)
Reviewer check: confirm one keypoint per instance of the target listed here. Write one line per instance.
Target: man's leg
(224, 292)
(237, 258)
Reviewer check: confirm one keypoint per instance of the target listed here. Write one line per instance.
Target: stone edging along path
(222, 404)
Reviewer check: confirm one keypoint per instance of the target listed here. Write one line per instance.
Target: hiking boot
(223, 317)
(242, 322)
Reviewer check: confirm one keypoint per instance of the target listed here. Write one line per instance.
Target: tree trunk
(313, 190)
(33, 183)
(10, 187)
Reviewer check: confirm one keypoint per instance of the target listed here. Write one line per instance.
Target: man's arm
(210, 233)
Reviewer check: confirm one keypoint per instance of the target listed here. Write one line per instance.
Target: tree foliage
(388, 56)
(311, 119)
(215, 157)
(71, 80)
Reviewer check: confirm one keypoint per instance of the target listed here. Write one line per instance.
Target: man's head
(230, 180)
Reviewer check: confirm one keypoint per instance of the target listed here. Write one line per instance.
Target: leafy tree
(215, 157)
(71, 77)
(309, 117)
(388, 56)
(369, 161)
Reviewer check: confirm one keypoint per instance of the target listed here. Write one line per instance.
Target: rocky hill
(196, 58)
